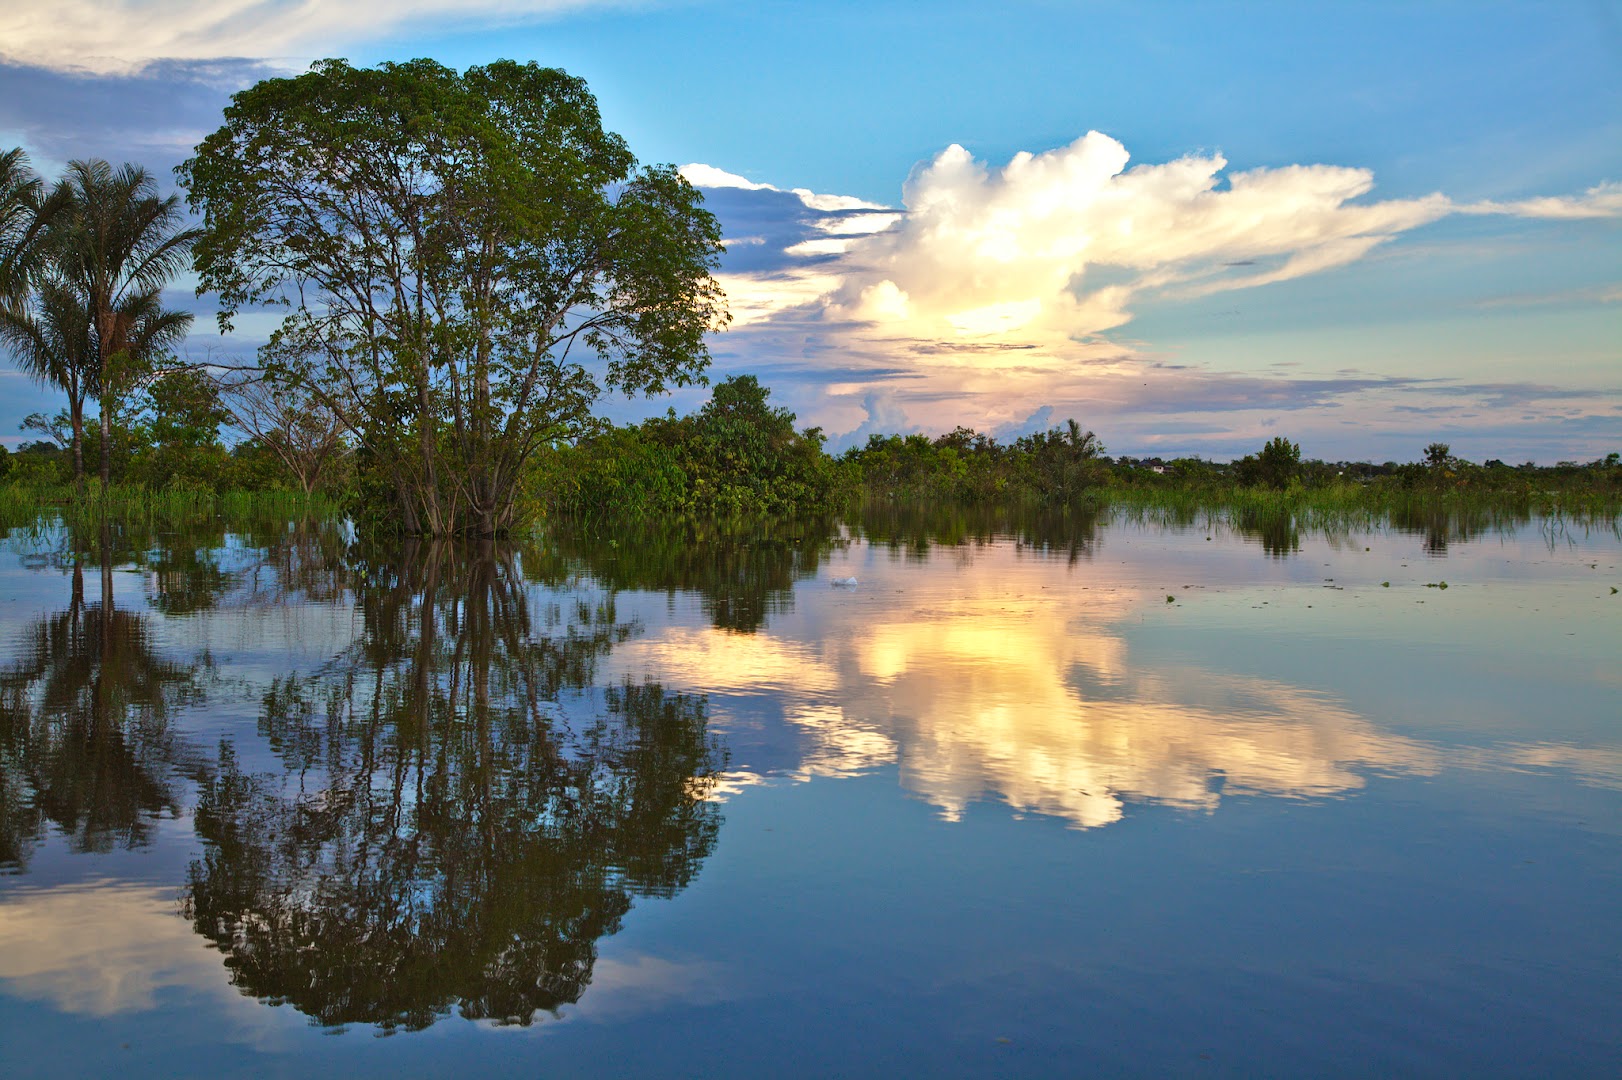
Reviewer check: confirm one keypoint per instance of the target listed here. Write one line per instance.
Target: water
(909, 796)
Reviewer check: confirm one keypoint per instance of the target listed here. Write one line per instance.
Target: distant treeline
(170, 434)
(739, 456)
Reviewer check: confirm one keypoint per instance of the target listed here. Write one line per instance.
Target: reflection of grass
(1441, 516)
(1353, 505)
(22, 504)
(1278, 520)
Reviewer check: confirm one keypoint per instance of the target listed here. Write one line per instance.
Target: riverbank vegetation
(739, 455)
(181, 445)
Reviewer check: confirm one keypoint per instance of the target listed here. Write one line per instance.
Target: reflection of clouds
(1022, 701)
(719, 662)
(100, 949)
(722, 786)
(1002, 690)
(838, 745)
(1081, 766)
(113, 948)
(627, 986)
(730, 663)
(1596, 765)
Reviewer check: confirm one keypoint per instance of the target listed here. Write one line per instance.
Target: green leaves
(455, 249)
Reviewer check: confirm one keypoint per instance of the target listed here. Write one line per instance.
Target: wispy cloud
(124, 36)
(154, 117)
(1600, 201)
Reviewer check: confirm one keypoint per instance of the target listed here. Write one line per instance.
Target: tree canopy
(467, 261)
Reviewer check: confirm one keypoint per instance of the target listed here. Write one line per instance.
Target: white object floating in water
(845, 583)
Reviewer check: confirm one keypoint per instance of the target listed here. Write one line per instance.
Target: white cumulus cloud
(1600, 201)
(1057, 245)
(708, 176)
(996, 291)
(982, 250)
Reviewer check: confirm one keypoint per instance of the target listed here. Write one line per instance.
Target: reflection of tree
(742, 575)
(914, 530)
(1277, 531)
(85, 742)
(458, 818)
(194, 566)
(1442, 525)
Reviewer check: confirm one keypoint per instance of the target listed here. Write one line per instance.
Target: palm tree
(52, 343)
(116, 244)
(20, 226)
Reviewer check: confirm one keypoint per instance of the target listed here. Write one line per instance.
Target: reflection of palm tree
(84, 727)
(445, 832)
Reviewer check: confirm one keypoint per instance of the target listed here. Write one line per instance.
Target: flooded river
(902, 796)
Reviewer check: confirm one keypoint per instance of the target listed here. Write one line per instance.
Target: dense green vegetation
(739, 456)
(736, 455)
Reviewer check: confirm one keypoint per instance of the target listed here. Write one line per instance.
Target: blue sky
(1364, 226)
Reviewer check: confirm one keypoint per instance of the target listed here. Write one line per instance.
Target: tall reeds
(21, 504)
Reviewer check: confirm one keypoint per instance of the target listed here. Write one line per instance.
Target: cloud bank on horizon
(986, 297)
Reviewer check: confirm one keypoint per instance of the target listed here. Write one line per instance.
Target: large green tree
(467, 261)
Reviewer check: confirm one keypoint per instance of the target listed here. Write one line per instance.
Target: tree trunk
(106, 441)
(408, 511)
(105, 325)
(76, 410)
(432, 510)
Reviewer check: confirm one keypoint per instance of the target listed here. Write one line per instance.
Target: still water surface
(897, 798)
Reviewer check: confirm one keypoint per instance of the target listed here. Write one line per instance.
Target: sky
(1190, 226)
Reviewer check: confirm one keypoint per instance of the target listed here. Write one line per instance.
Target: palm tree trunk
(106, 441)
(105, 325)
(76, 410)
